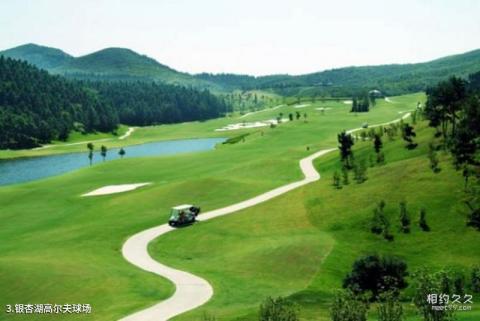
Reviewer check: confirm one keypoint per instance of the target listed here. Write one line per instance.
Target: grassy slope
(57, 247)
(303, 243)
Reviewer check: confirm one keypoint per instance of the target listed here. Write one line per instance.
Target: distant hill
(40, 56)
(125, 64)
(391, 79)
(106, 64)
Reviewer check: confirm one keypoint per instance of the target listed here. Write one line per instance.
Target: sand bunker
(348, 102)
(245, 125)
(112, 189)
(323, 108)
(301, 106)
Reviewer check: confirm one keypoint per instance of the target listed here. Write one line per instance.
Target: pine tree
(423, 221)
(404, 218)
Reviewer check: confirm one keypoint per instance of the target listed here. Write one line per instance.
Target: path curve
(192, 291)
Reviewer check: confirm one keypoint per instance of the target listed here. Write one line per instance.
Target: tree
(103, 152)
(432, 156)
(121, 152)
(290, 117)
(377, 143)
(374, 274)
(278, 309)
(404, 218)
(90, 152)
(407, 134)
(425, 285)
(423, 221)
(348, 307)
(444, 103)
(346, 142)
(379, 219)
(336, 180)
(297, 115)
(381, 158)
(360, 172)
(475, 279)
(305, 117)
(389, 308)
(346, 180)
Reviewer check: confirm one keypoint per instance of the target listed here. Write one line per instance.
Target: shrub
(376, 274)
(475, 279)
(404, 218)
(379, 219)
(348, 306)
(336, 180)
(278, 309)
(423, 221)
(426, 284)
(390, 309)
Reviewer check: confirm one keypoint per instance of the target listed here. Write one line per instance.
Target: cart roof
(182, 207)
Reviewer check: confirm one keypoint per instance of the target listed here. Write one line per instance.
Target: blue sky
(249, 36)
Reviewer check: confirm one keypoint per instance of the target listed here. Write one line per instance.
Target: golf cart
(183, 215)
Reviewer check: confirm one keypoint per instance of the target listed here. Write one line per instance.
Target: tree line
(453, 109)
(36, 107)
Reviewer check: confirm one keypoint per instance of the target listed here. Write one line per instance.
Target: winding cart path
(191, 290)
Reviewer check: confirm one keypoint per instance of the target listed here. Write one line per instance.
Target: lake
(13, 171)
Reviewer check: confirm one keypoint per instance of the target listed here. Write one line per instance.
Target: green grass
(302, 244)
(58, 247)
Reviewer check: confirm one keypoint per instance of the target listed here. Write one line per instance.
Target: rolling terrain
(125, 64)
(300, 245)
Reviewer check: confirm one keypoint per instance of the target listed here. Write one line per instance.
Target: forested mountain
(127, 65)
(107, 64)
(392, 79)
(36, 107)
(40, 56)
(140, 103)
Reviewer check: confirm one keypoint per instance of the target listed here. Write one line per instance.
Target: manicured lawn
(56, 247)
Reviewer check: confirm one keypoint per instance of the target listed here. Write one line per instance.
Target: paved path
(128, 133)
(192, 291)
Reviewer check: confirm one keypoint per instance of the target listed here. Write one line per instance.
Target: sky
(256, 37)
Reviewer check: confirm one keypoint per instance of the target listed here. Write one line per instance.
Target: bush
(404, 218)
(390, 309)
(375, 274)
(348, 307)
(379, 219)
(475, 279)
(423, 221)
(425, 284)
(236, 139)
(278, 309)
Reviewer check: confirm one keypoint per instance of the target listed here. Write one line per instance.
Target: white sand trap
(323, 108)
(112, 189)
(348, 102)
(245, 125)
(301, 106)
(388, 100)
(260, 111)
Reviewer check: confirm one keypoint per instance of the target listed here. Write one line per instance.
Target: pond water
(20, 170)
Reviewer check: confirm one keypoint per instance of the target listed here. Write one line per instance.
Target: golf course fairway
(56, 246)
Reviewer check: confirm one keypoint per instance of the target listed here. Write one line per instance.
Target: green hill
(40, 56)
(392, 79)
(106, 64)
(125, 64)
